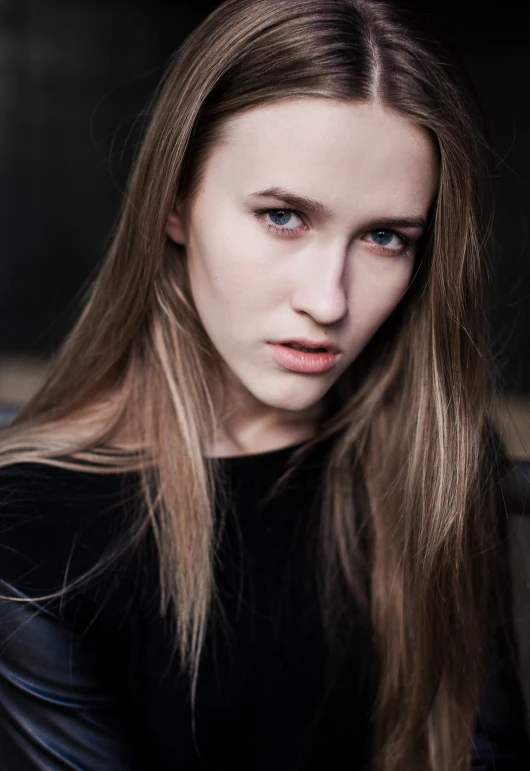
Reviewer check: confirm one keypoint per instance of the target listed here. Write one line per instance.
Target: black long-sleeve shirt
(93, 682)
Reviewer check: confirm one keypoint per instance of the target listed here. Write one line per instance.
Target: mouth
(309, 346)
(300, 357)
(304, 348)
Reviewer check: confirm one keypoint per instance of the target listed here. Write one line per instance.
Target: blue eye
(387, 241)
(282, 221)
(280, 216)
(383, 237)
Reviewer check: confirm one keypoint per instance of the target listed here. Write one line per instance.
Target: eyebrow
(316, 208)
(309, 205)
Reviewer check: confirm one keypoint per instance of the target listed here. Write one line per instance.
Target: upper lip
(309, 343)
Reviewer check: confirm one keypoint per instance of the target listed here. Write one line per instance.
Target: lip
(308, 343)
(307, 362)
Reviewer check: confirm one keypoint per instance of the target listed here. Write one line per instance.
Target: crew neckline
(256, 456)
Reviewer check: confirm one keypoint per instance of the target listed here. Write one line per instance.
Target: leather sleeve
(501, 742)
(59, 708)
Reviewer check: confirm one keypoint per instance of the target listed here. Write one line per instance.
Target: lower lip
(300, 361)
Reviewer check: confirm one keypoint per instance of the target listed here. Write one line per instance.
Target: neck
(261, 435)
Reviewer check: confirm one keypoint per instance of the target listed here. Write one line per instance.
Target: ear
(175, 227)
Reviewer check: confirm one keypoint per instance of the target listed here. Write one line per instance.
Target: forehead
(327, 147)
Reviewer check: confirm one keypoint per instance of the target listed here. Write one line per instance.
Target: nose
(320, 286)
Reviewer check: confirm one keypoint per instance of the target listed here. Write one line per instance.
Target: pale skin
(333, 274)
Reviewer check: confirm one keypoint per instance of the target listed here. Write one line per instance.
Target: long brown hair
(405, 496)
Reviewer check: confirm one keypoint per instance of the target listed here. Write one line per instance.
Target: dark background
(75, 76)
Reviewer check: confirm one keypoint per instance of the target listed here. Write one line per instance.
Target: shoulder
(56, 523)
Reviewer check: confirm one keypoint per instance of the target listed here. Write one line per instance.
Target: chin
(295, 398)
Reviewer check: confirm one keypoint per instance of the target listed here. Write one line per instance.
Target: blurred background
(75, 76)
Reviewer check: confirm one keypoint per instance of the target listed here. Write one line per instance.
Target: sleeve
(58, 709)
(501, 742)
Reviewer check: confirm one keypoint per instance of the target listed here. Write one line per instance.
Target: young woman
(249, 521)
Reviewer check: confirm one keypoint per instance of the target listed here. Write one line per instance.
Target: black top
(91, 683)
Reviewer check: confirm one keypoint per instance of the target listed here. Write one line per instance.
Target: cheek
(228, 275)
(375, 292)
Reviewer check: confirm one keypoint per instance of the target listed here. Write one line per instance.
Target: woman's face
(268, 267)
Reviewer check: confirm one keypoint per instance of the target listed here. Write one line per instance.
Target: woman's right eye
(280, 221)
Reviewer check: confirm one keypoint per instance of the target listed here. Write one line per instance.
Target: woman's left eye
(281, 221)
(388, 240)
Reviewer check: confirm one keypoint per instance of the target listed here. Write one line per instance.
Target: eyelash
(289, 232)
